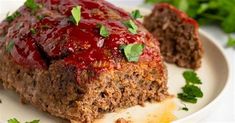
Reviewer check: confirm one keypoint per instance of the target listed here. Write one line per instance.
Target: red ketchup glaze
(82, 45)
(26, 54)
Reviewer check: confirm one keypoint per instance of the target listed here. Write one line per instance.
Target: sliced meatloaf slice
(177, 34)
(72, 70)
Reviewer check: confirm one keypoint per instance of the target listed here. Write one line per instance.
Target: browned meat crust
(121, 120)
(177, 34)
(55, 90)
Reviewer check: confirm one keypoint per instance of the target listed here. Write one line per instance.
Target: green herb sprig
(10, 46)
(191, 91)
(185, 108)
(231, 41)
(33, 31)
(14, 120)
(103, 31)
(12, 17)
(31, 4)
(132, 52)
(40, 17)
(34, 121)
(76, 14)
(191, 77)
(132, 27)
(136, 14)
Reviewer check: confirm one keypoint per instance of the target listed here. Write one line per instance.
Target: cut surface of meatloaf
(177, 34)
(70, 70)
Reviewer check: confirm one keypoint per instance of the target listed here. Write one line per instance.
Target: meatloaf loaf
(177, 34)
(79, 70)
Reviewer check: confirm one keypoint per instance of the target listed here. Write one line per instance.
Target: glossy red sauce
(58, 38)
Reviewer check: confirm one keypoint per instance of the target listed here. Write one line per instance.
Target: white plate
(214, 74)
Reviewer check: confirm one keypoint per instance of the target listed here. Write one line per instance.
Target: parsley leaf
(231, 41)
(31, 4)
(10, 18)
(187, 98)
(154, 1)
(136, 14)
(192, 90)
(10, 46)
(33, 31)
(104, 31)
(228, 23)
(203, 7)
(76, 13)
(34, 121)
(191, 77)
(132, 51)
(71, 19)
(181, 4)
(185, 108)
(40, 17)
(131, 26)
(13, 120)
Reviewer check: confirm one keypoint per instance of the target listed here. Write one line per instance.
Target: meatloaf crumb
(121, 120)
(177, 34)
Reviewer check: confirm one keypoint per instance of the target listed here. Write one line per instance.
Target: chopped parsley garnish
(76, 14)
(14, 120)
(40, 17)
(185, 108)
(187, 98)
(34, 121)
(132, 52)
(136, 14)
(33, 31)
(191, 92)
(71, 19)
(131, 26)
(10, 46)
(231, 41)
(191, 77)
(31, 4)
(10, 18)
(104, 31)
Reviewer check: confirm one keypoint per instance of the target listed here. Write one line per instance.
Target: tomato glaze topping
(58, 38)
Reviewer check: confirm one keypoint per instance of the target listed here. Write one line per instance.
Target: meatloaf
(177, 34)
(73, 71)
